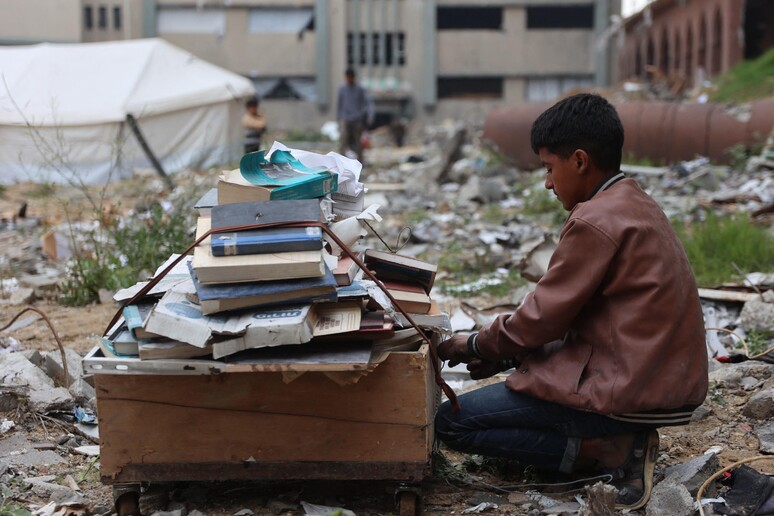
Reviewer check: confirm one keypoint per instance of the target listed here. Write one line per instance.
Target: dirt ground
(443, 493)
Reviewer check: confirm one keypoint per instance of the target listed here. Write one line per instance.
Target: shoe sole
(651, 454)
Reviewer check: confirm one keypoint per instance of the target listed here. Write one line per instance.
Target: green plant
(716, 393)
(114, 255)
(715, 245)
(7, 507)
(148, 239)
(739, 153)
(759, 341)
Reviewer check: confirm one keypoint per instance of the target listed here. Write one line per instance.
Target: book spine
(233, 246)
(133, 319)
(309, 190)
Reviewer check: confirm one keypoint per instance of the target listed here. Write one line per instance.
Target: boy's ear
(581, 160)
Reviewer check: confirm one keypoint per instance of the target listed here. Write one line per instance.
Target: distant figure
(355, 110)
(255, 125)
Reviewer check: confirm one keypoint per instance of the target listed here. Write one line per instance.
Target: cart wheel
(128, 504)
(408, 503)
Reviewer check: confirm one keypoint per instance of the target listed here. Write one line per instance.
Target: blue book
(222, 297)
(266, 240)
(270, 240)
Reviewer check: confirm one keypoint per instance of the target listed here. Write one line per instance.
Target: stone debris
(693, 473)
(670, 497)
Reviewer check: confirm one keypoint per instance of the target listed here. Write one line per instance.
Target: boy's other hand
(455, 350)
(480, 369)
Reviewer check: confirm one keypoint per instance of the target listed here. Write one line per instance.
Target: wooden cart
(177, 420)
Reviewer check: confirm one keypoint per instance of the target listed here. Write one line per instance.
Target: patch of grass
(492, 213)
(415, 216)
(715, 245)
(640, 161)
(542, 203)
(3, 189)
(42, 190)
(747, 80)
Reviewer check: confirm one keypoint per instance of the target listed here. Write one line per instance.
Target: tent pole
(148, 152)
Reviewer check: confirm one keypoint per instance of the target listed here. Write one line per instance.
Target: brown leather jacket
(620, 298)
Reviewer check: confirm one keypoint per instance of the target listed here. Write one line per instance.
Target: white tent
(63, 110)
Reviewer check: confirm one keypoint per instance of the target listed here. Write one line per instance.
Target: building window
(88, 17)
(543, 89)
(191, 21)
(376, 41)
(469, 18)
(102, 17)
(470, 87)
(296, 21)
(286, 88)
(117, 18)
(560, 16)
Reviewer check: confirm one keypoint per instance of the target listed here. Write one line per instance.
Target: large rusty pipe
(664, 132)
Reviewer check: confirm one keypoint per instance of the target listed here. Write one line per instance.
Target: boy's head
(349, 76)
(584, 121)
(252, 105)
(579, 140)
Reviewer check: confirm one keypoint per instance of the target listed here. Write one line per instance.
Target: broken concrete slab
(693, 473)
(765, 435)
(42, 395)
(44, 486)
(760, 405)
(757, 315)
(17, 450)
(82, 391)
(54, 369)
(669, 497)
(730, 375)
(89, 451)
(22, 296)
(34, 356)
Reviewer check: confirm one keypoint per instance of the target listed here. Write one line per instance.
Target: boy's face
(564, 177)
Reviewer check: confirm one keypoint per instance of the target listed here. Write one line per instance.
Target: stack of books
(245, 290)
(408, 279)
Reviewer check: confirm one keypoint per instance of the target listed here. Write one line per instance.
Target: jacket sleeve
(575, 271)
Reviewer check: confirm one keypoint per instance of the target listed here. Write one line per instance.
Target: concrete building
(695, 39)
(427, 59)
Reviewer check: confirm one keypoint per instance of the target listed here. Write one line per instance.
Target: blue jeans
(498, 422)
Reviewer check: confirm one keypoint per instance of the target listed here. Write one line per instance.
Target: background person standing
(255, 125)
(354, 110)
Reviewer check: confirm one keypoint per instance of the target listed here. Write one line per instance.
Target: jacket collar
(607, 183)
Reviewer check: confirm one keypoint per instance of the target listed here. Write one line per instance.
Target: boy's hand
(455, 350)
(480, 368)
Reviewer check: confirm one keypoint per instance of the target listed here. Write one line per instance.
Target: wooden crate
(231, 426)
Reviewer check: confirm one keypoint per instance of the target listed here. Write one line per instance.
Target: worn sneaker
(634, 479)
